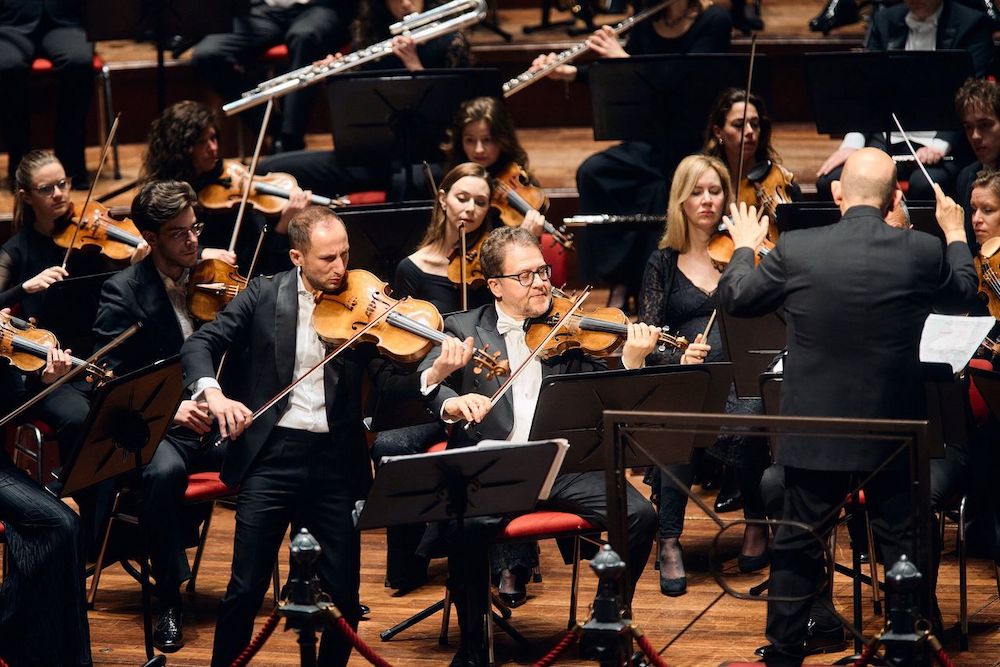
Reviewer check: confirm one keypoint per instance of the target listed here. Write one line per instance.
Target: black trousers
(299, 479)
(71, 54)
(167, 524)
(580, 493)
(796, 558)
(43, 613)
(225, 60)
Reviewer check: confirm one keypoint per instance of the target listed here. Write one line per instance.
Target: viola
(99, 227)
(26, 347)
(598, 332)
(765, 186)
(987, 264)
(406, 334)
(269, 193)
(514, 195)
(474, 276)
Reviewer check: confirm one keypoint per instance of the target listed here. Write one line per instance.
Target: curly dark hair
(978, 94)
(373, 21)
(172, 137)
(497, 118)
(717, 118)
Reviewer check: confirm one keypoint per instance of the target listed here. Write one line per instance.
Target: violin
(212, 284)
(514, 195)
(109, 230)
(26, 347)
(269, 194)
(598, 332)
(406, 334)
(987, 264)
(721, 248)
(474, 276)
(765, 186)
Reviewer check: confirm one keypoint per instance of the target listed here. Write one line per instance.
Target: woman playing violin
(30, 261)
(678, 290)
(183, 145)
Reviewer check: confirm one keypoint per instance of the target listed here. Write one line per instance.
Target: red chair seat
(205, 486)
(556, 257)
(537, 525)
(367, 197)
(277, 52)
(39, 65)
(438, 447)
(3, 531)
(44, 428)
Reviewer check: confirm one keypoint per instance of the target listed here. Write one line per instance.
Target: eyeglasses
(178, 234)
(527, 277)
(64, 184)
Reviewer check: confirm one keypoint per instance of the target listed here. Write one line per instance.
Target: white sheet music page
(953, 339)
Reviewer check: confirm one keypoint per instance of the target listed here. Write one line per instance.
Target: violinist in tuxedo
(519, 280)
(305, 461)
(854, 322)
(153, 292)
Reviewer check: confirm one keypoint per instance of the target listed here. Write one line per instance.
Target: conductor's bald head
(868, 179)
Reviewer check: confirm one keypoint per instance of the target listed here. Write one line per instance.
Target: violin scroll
(490, 364)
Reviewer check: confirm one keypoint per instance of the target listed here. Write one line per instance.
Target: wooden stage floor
(729, 630)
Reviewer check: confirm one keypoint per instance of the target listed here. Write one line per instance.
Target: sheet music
(953, 339)
(562, 447)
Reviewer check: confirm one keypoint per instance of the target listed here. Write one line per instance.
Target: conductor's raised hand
(233, 416)
(455, 354)
(747, 230)
(950, 216)
(470, 407)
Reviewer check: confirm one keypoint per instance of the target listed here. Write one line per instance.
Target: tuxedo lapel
(152, 299)
(486, 332)
(285, 325)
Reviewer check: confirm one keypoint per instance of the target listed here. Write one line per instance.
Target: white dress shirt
(177, 293)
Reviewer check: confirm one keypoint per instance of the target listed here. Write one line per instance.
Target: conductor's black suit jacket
(855, 298)
(263, 319)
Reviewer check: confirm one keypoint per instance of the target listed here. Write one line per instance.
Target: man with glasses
(153, 292)
(519, 280)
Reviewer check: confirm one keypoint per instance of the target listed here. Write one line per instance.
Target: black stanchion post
(305, 611)
(605, 636)
(903, 640)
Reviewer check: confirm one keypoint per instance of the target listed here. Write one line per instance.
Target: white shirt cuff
(853, 140)
(201, 384)
(941, 145)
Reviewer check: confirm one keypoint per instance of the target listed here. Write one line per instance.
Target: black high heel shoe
(835, 14)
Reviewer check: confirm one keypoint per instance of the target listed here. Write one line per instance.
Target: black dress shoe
(672, 586)
(817, 641)
(469, 658)
(365, 610)
(728, 500)
(835, 14)
(516, 585)
(747, 564)
(168, 635)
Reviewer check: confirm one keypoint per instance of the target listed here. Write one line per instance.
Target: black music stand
(456, 484)
(751, 343)
(859, 92)
(402, 116)
(70, 308)
(383, 235)
(128, 418)
(805, 215)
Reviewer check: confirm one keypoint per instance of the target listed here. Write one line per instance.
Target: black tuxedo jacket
(137, 294)
(481, 324)
(855, 297)
(25, 15)
(263, 319)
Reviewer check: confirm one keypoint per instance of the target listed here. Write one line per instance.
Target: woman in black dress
(678, 290)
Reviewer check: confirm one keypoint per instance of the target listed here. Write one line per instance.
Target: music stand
(751, 343)
(698, 387)
(70, 308)
(382, 117)
(859, 92)
(382, 235)
(128, 418)
(806, 215)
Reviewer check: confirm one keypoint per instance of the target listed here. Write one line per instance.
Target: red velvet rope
(943, 658)
(866, 655)
(364, 649)
(563, 644)
(258, 642)
(651, 653)
(3, 664)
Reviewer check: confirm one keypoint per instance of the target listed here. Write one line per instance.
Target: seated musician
(519, 280)
(633, 177)
(322, 171)
(54, 30)
(679, 290)
(310, 29)
(43, 597)
(153, 292)
(183, 145)
(305, 461)
(919, 25)
(727, 127)
(977, 104)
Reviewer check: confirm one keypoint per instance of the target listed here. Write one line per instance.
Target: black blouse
(439, 290)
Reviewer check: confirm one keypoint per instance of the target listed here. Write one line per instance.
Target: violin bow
(541, 346)
(463, 269)
(93, 184)
(253, 169)
(319, 364)
(746, 106)
(913, 152)
(91, 360)
(708, 327)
